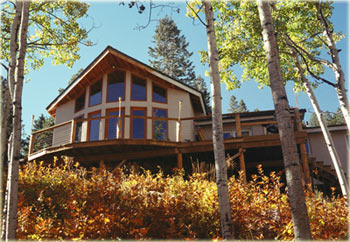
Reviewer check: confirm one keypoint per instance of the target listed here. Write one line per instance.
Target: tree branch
(196, 13)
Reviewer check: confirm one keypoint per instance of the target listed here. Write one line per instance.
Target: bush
(67, 202)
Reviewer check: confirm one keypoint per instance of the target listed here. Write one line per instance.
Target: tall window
(95, 93)
(111, 123)
(116, 86)
(80, 102)
(160, 127)
(159, 94)
(138, 125)
(138, 89)
(78, 129)
(94, 126)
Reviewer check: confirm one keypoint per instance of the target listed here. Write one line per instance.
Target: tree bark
(337, 68)
(11, 221)
(326, 134)
(285, 125)
(218, 139)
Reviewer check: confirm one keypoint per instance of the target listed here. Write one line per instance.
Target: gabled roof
(111, 58)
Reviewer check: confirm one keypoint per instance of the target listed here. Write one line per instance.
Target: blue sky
(116, 27)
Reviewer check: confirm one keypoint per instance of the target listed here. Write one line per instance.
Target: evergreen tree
(242, 107)
(233, 104)
(170, 54)
(236, 107)
(330, 118)
(200, 85)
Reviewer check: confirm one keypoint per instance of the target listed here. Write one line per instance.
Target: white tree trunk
(11, 221)
(218, 139)
(286, 127)
(326, 134)
(337, 68)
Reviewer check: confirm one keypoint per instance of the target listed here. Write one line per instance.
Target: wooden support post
(304, 158)
(32, 138)
(241, 152)
(72, 131)
(179, 160)
(31, 144)
(119, 123)
(178, 124)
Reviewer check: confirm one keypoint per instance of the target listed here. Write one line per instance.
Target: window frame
(107, 92)
(167, 125)
(131, 122)
(75, 103)
(107, 123)
(166, 93)
(89, 125)
(131, 88)
(80, 117)
(99, 80)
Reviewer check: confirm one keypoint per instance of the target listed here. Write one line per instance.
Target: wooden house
(121, 109)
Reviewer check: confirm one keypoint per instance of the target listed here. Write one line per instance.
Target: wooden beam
(179, 160)
(72, 131)
(241, 155)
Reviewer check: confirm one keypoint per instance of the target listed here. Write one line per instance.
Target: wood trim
(110, 72)
(89, 123)
(99, 80)
(107, 124)
(131, 81)
(166, 93)
(167, 122)
(138, 117)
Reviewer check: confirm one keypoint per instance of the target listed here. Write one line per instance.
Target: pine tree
(200, 85)
(236, 107)
(242, 107)
(170, 54)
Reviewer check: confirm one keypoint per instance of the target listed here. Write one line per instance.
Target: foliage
(330, 118)
(170, 56)
(236, 107)
(67, 202)
(54, 31)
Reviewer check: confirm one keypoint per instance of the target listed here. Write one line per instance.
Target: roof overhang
(111, 59)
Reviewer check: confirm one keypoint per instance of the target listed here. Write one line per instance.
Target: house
(319, 156)
(121, 109)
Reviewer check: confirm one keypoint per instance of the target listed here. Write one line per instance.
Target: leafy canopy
(54, 31)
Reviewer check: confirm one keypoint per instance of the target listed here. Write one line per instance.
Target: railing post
(31, 145)
(32, 138)
(178, 124)
(118, 129)
(72, 131)
(241, 153)
(304, 158)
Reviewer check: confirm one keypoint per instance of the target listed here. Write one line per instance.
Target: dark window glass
(116, 86)
(80, 102)
(159, 94)
(112, 124)
(138, 89)
(78, 129)
(160, 126)
(96, 93)
(138, 124)
(94, 127)
(227, 136)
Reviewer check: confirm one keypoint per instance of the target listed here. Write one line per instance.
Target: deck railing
(67, 132)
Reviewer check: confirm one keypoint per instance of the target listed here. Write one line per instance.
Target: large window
(160, 127)
(138, 89)
(138, 125)
(80, 102)
(94, 126)
(78, 128)
(159, 94)
(111, 123)
(116, 86)
(95, 93)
